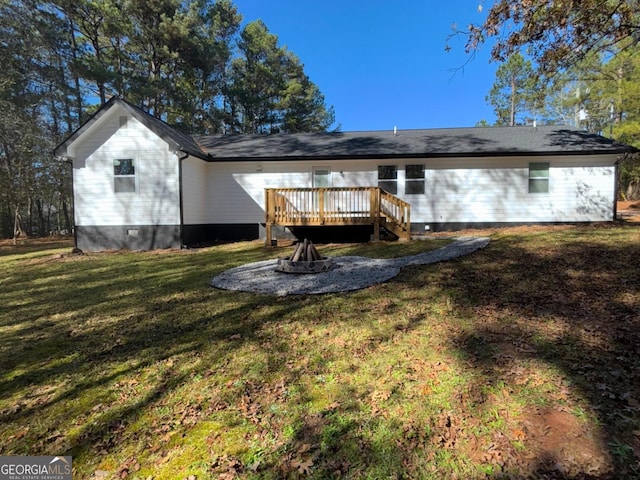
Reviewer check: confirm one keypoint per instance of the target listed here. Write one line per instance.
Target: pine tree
(515, 91)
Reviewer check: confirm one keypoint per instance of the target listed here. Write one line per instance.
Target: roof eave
(391, 156)
(201, 156)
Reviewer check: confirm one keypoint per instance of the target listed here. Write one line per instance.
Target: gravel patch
(350, 273)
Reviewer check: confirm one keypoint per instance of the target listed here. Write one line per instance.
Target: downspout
(180, 159)
(69, 161)
(73, 206)
(616, 187)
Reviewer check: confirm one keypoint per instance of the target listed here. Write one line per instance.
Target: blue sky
(383, 64)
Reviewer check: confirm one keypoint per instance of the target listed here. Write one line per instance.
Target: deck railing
(337, 206)
(396, 213)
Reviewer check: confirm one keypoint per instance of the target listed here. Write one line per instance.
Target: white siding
(581, 188)
(236, 190)
(457, 190)
(194, 191)
(156, 200)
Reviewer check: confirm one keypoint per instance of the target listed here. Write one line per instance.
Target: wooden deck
(290, 207)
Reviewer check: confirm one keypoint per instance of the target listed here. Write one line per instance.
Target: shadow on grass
(91, 343)
(569, 301)
(105, 357)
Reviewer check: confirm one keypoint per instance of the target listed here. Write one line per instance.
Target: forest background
(192, 64)
(189, 63)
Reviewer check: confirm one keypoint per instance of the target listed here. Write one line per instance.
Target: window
(321, 177)
(388, 178)
(538, 178)
(124, 175)
(414, 179)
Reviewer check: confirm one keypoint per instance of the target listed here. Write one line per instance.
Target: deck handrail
(396, 211)
(336, 206)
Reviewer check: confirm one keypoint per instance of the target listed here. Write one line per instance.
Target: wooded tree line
(570, 62)
(600, 93)
(190, 63)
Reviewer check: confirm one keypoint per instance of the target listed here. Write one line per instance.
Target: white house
(140, 184)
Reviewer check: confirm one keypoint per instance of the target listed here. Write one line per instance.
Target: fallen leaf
(380, 395)
(425, 390)
(305, 447)
(20, 434)
(333, 406)
(519, 434)
(304, 468)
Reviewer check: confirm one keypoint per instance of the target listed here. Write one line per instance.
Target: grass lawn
(518, 361)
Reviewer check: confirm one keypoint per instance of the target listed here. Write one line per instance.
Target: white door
(321, 177)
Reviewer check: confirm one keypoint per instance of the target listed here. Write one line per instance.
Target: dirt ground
(31, 244)
(629, 211)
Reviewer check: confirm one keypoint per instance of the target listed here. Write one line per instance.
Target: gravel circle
(350, 273)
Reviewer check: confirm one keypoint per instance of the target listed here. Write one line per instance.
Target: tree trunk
(7, 221)
(67, 218)
(29, 214)
(512, 116)
(41, 229)
(18, 229)
(633, 191)
(76, 79)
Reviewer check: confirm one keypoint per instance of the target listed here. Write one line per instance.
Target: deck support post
(269, 215)
(376, 230)
(375, 212)
(321, 195)
(267, 242)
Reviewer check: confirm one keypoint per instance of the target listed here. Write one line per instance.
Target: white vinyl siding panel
(581, 188)
(156, 199)
(194, 192)
(236, 189)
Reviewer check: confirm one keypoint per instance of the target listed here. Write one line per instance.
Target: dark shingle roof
(450, 142)
(444, 142)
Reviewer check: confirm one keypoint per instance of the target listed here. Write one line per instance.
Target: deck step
(394, 228)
